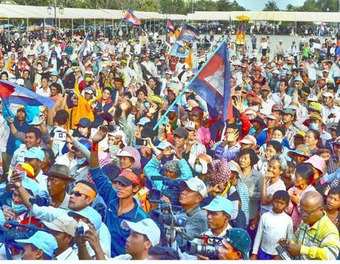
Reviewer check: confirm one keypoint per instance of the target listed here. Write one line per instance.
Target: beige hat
(64, 224)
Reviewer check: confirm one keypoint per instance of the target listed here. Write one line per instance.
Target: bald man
(316, 237)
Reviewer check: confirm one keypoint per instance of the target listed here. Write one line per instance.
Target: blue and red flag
(170, 26)
(84, 45)
(16, 94)
(212, 83)
(189, 33)
(130, 17)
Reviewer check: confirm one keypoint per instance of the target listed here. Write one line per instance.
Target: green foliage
(271, 6)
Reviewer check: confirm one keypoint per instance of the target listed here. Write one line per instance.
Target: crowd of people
(93, 177)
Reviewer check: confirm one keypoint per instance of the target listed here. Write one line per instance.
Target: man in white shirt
(44, 89)
(267, 102)
(281, 97)
(330, 112)
(150, 66)
(63, 229)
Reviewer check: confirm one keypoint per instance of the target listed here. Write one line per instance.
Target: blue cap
(91, 214)
(84, 122)
(35, 153)
(220, 203)
(31, 185)
(54, 73)
(298, 79)
(240, 240)
(163, 145)
(143, 121)
(42, 240)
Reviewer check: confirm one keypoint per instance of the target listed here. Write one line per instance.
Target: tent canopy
(40, 12)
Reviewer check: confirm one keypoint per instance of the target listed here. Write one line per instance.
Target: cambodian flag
(14, 93)
(178, 50)
(130, 17)
(189, 33)
(170, 26)
(212, 82)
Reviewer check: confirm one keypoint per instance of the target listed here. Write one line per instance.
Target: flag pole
(10, 113)
(185, 88)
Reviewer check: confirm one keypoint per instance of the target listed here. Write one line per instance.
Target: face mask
(19, 208)
(80, 161)
(147, 104)
(39, 68)
(198, 169)
(314, 126)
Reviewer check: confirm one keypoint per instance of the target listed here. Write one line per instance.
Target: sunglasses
(76, 193)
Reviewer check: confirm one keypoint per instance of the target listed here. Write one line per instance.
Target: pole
(72, 27)
(44, 24)
(186, 87)
(55, 19)
(84, 28)
(120, 24)
(27, 26)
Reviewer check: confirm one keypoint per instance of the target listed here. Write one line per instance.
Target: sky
(258, 5)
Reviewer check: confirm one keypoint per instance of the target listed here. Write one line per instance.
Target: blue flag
(189, 33)
(212, 82)
(179, 50)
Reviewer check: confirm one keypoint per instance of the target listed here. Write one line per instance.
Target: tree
(290, 8)
(172, 6)
(271, 6)
(310, 6)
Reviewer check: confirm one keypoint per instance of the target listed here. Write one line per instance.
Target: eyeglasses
(76, 193)
(308, 212)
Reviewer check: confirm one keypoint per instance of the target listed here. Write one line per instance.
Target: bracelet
(95, 146)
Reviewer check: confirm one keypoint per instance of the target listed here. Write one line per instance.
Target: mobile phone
(23, 175)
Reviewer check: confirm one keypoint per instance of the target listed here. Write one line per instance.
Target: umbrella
(243, 18)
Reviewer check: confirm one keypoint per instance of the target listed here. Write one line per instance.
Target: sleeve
(151, 169)
(47, 213)
(185, 170)
(128, 129)
(196, 226)
(226, 154)
(258, 238)
(82, 149)
(246, 125)
(290, 228)
(328, 250)
(14, 160)
(103, 184)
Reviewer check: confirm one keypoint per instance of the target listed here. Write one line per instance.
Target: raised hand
(100, 135)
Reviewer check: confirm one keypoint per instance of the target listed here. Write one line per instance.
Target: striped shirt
(320, 241)
(242, 190)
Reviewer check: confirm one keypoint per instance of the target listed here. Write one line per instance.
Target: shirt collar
(193, 210)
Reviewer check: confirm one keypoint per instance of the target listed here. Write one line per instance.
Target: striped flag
(130, 17)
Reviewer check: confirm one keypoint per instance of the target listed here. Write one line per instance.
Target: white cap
(163, 145)
(250, 111)
(328, 94)
(237, 63)
(312, 98)
(124, 153)
(197, 185)
(145, 227)
(190, 125)
(275, 71)
(249, 140)
(64, 224)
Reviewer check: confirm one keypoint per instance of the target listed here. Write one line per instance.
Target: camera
(171, 189)
(207, 246)
(82, 228)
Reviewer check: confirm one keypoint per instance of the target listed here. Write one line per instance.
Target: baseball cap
(85, 189)
(250, 111)
(197, 185)
(64, 224)
(181, 132)
(143, 121)
(204, 160)
(54, 73)
(277, 107)
(328, 94)
(312, 98)
(90, 214)
(316, 116)
(273, 117)
(240, 240)
(220, 203)
(35, 153)
(275, 71)
(265, 88)
(84, 122)
(235, 167)
(35, 121)
(259, 120)
(249, 140)
(300, 133)
(42, 240)
(163, 145)
(314, 106)
(145, 227)
(190, 126)
(252, 93)
(129, 177)
(289, 111)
